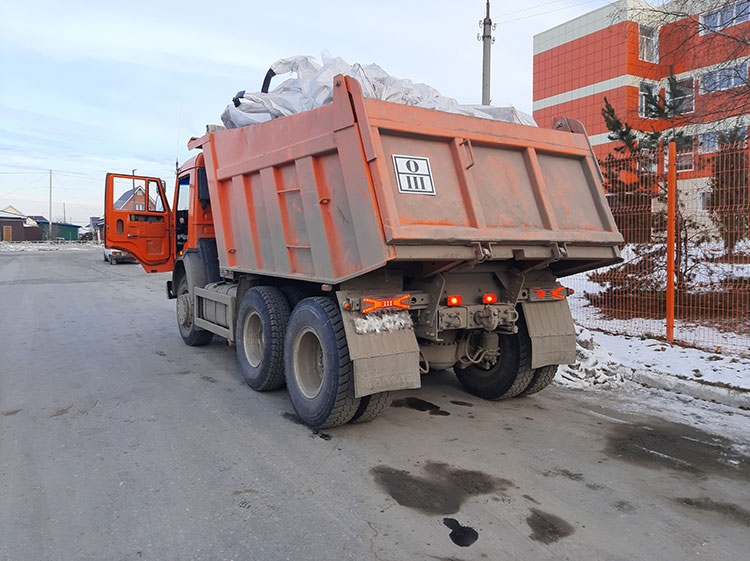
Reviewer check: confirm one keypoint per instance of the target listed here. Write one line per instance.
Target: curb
(729, 396)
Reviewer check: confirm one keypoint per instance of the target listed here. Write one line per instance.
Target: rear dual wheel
(261, 323)
(319, 373)
(308, 351)
(543, 377)
(507, 375)
(503, 376)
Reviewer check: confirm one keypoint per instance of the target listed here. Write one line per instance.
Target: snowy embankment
(605, 360)
(47, 246)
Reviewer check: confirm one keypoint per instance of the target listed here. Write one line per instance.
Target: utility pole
(487, 39)
(49, 230)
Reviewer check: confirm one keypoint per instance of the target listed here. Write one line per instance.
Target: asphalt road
(118, 442)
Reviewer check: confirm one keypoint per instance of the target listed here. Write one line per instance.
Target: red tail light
(489, 298)
(455, 300)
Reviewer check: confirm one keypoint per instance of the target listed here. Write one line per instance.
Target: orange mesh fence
(711, 252)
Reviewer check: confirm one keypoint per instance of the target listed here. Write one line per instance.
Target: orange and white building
(629, 47)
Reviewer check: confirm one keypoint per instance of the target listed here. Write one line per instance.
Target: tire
(542, 378)
(507, 377)
(261, 324)
(319, 373)
(193, 336)
(293, 294)
(371, 406)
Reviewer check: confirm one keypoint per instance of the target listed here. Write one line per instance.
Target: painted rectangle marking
(414, 175)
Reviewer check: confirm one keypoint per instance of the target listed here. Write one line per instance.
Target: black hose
(267, 80)
(237, 97)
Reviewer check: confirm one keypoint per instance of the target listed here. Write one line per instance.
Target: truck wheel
(319, 374)
(504, 378)
(542, 378)
(293, 294)
(193, 336)
(371, 406)
(261, 323)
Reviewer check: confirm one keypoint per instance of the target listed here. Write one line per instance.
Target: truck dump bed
(344, 189)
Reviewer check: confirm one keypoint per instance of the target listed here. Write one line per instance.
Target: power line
(21, 188)
(47, 172)
(74, 198)
(536, 14)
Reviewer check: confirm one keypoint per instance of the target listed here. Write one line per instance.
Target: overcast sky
(90, 87)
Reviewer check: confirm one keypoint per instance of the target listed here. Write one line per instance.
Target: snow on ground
(45, 246)
(607, 360)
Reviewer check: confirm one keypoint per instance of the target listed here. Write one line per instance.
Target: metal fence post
(671, 222)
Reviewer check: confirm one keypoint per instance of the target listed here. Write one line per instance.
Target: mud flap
(552, 331)
(383, 361)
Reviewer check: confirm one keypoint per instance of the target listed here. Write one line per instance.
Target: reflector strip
(382, 303)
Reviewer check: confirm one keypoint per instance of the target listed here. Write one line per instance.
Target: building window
(140, 206)
(711, 141)
(705, 199)
(685, 154)
(681, 96)
(726, 16)
(686, 161)
(648, 96)
(648, 43)
(724, 78)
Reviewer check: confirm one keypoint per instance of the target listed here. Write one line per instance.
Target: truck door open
(137, 219)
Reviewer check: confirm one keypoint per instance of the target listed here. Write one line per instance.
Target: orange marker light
(455, 300)
(372, 304)
(489, 298)
(559, 293)
(541, 293)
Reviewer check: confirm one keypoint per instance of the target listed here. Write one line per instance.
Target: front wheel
(319, 372)
(193, 336)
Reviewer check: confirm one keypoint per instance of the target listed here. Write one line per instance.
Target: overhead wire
(500, 19)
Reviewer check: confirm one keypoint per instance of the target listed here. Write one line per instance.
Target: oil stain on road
(681, 448)
(442, 490)
(420, 405)
(547, 528)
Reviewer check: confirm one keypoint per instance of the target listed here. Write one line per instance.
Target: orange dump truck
(348, 250)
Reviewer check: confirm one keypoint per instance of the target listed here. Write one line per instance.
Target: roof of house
(127, 195)
(11, 216)
(13, 210)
